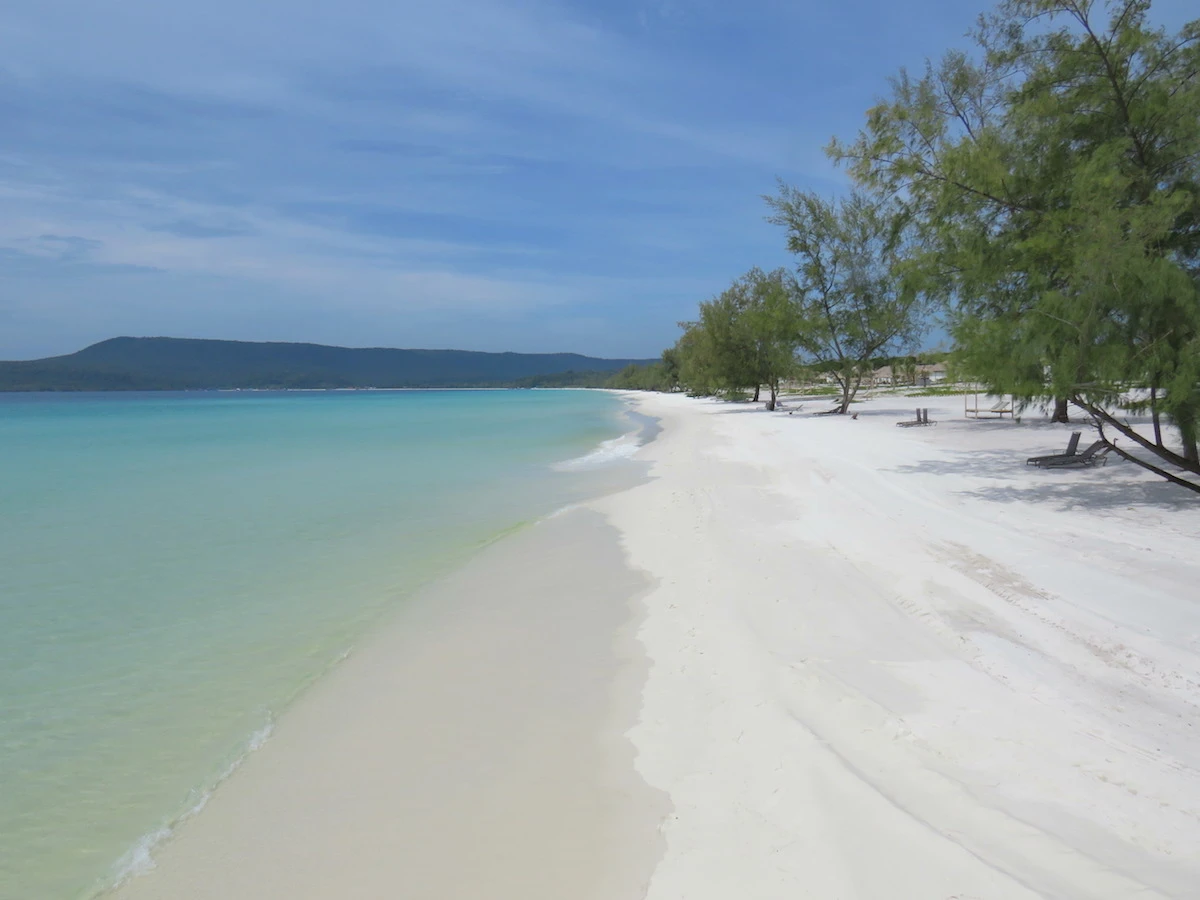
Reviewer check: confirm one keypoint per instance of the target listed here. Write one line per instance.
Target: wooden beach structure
(973, 409)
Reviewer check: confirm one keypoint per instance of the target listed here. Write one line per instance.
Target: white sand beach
(893, 663)
(839, 659)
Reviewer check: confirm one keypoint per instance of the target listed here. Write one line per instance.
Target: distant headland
(174, 364)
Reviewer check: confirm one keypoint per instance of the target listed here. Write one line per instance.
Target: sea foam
(608, 452)
(139, 859)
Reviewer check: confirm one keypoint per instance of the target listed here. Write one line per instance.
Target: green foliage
(1055, 179)
(671, 367)
(656, 376)
(698, 368)
(590, 379)
(937, 390)
(744, 338)
(858, 294)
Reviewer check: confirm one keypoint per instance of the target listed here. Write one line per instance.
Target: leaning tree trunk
(771, 402)
(1061, 413)
(1155, 416)
(849, 388)
(757, 388)
(1187, 428)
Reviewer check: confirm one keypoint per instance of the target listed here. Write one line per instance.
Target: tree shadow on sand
(1104, 488)
(741, 409)
(899, 413)
(806, 409)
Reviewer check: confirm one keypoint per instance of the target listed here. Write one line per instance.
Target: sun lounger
(1095, 455)
(1072, 445)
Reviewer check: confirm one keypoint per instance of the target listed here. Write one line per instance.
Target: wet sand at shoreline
(473, 748)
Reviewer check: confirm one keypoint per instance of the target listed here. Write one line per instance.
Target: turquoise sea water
(175, 568)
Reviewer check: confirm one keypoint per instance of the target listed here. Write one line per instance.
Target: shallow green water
(175, 568)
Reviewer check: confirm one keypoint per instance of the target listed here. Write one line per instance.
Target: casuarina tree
(1056, 174)
(856, 291)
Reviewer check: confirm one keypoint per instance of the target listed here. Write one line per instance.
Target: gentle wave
(561, 511)
(609, 451)
(140, 858)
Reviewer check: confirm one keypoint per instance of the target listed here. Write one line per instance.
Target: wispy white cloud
(374, 164)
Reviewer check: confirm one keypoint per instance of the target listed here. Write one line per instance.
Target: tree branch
(1174, 479)
(1103, 416)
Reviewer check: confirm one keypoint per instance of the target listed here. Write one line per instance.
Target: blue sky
(480, 174)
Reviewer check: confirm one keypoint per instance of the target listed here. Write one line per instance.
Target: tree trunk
(1164, 453)
(771, 402)
(1186, 423)
(1174, 479)
(1061, 413)
(849, 389)
(1154, 415)
(757, 388)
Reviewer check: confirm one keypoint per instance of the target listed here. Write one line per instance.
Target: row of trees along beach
(1038, 197)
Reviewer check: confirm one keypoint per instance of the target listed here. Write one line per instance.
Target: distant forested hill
(150, 364)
